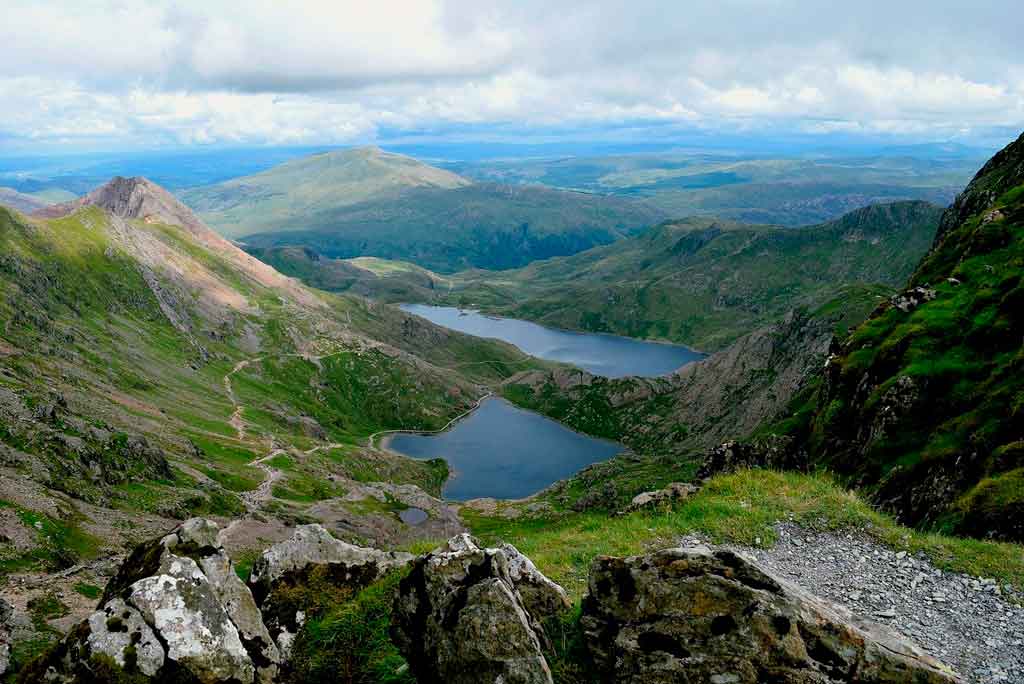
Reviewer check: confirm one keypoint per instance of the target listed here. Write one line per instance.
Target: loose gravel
(972, 624)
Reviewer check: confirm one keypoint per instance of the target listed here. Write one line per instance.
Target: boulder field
(177, 612)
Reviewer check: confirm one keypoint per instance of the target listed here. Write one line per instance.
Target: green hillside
(922, 404)
(283, 197)
(699, 281)
(366, 202)
(147, 366)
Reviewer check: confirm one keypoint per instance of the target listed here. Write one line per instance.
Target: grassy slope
(78, 319)
(283, 196)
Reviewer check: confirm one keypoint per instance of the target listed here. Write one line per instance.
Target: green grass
(89, 591)
(350, 642)
(739, 508)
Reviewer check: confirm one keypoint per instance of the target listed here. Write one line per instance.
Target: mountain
(366, 202)
(700, 281)
(922, 405)
(284, 196)
(150, 370)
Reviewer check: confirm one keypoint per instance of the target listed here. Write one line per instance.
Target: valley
(152, 371)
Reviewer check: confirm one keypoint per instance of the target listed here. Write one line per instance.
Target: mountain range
(367, 202)
(700, 281)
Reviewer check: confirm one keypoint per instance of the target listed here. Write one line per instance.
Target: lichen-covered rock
(694, 615)
(312, 556)
(175, 611)
(541, 597)
(459, 617)
(5, 636)
(119, 632)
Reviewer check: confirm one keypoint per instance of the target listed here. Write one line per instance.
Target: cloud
(189, 72)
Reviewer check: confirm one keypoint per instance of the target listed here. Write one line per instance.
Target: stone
(674, 491)
(175, 610)
(911, 299)
(312, 549)
(541, 597)
(459, 617)
(713, 616)
(118, 626)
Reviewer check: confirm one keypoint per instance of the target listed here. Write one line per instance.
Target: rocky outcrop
(312, 555)
(694, 615)
(175, 611)
(778, 453)
(724, 396)
(672, 492)
(469, 615)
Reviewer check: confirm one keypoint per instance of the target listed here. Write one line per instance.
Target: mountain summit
(281, 196)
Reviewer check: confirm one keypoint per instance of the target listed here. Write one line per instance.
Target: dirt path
(972, 624)
(236, 420)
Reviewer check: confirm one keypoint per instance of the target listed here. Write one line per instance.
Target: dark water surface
(505, 452)
(608, 355)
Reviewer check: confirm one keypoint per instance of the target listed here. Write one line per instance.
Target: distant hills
(367, 202)
(700, 281)
(778, 190)
(29, 202)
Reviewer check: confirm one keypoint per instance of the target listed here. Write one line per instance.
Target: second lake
(608, 355)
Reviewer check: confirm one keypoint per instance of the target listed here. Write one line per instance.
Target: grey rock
(178, 604)
(458, 618)
(674, 491)
(312, 549)
(541, 597)
(118, 626)
(712, 616)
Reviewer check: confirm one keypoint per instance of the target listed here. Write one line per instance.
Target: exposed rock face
(693, 615)
(464, 615)
(771, 452)
(312, 550)
(917, 407)
(724, 396)
(674, 491)
(177, 611)
(911, 299)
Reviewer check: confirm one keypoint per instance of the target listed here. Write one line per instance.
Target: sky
(115, 74)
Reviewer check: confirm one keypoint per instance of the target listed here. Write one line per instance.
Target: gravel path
(966, 622)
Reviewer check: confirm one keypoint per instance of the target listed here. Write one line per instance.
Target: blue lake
(503, 451)
(608, 355)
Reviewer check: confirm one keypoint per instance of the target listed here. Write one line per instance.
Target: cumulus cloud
(184, 71)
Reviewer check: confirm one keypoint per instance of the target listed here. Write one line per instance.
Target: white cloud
(185, 71)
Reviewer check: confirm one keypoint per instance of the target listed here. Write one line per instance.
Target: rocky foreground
(177, 612)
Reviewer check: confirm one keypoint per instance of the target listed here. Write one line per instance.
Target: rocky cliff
(923, 405)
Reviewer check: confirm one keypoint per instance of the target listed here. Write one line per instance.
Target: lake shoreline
(551, 451)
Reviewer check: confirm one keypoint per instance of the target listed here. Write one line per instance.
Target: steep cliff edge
(923, 405)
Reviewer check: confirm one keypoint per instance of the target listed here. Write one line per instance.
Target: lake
(608, 355)
(503, 451)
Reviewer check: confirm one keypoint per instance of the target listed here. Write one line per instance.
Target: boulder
(461, 618)
(175, 611)
(674, 491)
(696, 615)
(312, 558)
